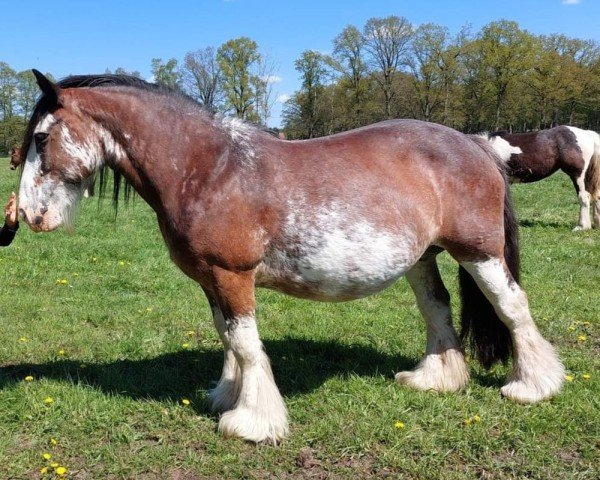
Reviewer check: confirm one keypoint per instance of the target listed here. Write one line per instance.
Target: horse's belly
(339, 263)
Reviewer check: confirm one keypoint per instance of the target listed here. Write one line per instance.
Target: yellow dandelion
(62, 281)
(185, 401)
(571, 328)
(569, 378)
(48, 400)
(53, 441)
(581, 338)
(54, 464)
(61, 471)
(44, 470)
(121, 263)
(61, 352)
(22, 339)
(94, 259)
(468, 421)
(47, 456)
(586, 376)
(476, 418)
(185, 345)
(149, 309)
(29, 378)
(190, 333)
(399, 425)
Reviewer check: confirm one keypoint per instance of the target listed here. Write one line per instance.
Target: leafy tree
(166, 73)
(202, 77)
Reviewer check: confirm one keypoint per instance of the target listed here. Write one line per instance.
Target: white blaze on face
(45, 201)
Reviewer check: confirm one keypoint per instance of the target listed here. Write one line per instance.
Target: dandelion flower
(185, 401)
(61, 471)
(190, 333)
(185, 345)
(586, 376)
(44, 470)
(48, 400)
(47, 456)
(61, 352)
(54, 464)
(399, 425)
(94, 259)
(22, 339)
(53, 441)
(468, 421)
(29, 378)
(62, 281)
(581, 338)
(149, 309)
(476, 418)
(569, 378)
(121, 263)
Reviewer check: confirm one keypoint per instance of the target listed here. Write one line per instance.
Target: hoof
(266, 426)
(445, 372)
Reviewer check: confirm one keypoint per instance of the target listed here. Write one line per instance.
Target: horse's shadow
(299, 366)
(528, 223)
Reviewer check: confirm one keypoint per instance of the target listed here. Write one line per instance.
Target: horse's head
(15, 158)
(64, 151)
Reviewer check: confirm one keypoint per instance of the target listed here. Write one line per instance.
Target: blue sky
(74, 37)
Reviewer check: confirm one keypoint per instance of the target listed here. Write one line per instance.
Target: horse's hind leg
(259, 414)
(537, 372)
(443, 368)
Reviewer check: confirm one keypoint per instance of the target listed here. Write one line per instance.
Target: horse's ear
(48, 88)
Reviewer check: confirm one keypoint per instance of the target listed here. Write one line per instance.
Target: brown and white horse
(15, 157)
(331, 219)
(534, 156)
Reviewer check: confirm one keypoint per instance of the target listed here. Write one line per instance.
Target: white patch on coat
(503, 148)
(242, 134)
(537, 372)
(337, 255)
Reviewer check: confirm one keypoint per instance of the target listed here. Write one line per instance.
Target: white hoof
(533, 385)
(254, 425)
(580, 227)
(443, 372)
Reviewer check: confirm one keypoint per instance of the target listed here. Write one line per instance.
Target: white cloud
(272, 79)
(283, 98)
(570, 2)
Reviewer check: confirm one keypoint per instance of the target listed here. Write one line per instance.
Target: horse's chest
(334, 257)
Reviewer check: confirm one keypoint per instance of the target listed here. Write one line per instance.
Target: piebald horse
(534, 156)
(331, 219)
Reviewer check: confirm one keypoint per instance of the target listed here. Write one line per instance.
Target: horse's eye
(40, 138)
(44, 169)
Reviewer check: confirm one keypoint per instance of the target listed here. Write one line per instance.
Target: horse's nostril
(38, 219)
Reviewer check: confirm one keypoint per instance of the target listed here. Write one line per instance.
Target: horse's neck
(157, 145)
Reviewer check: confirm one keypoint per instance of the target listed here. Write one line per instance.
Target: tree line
(499, 78)
(234, 79)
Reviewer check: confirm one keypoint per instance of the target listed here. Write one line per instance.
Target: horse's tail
(592, 176)
(489, 338)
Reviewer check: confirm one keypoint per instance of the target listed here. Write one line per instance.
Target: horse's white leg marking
(596, 219)
(585, 141)
(584, 202)
(537, 372)
(225, 394)
(259, 414)
(443, 368)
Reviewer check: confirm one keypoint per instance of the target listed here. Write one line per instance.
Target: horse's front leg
(225, 394)
(258, 414)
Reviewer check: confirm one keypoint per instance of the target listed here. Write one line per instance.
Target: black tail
(489, 338)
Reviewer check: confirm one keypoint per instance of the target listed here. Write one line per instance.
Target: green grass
(126, 310)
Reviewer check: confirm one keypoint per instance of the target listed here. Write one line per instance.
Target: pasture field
(114, 337)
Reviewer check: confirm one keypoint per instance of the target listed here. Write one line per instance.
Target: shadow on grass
(527, 223)
(299, 365)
